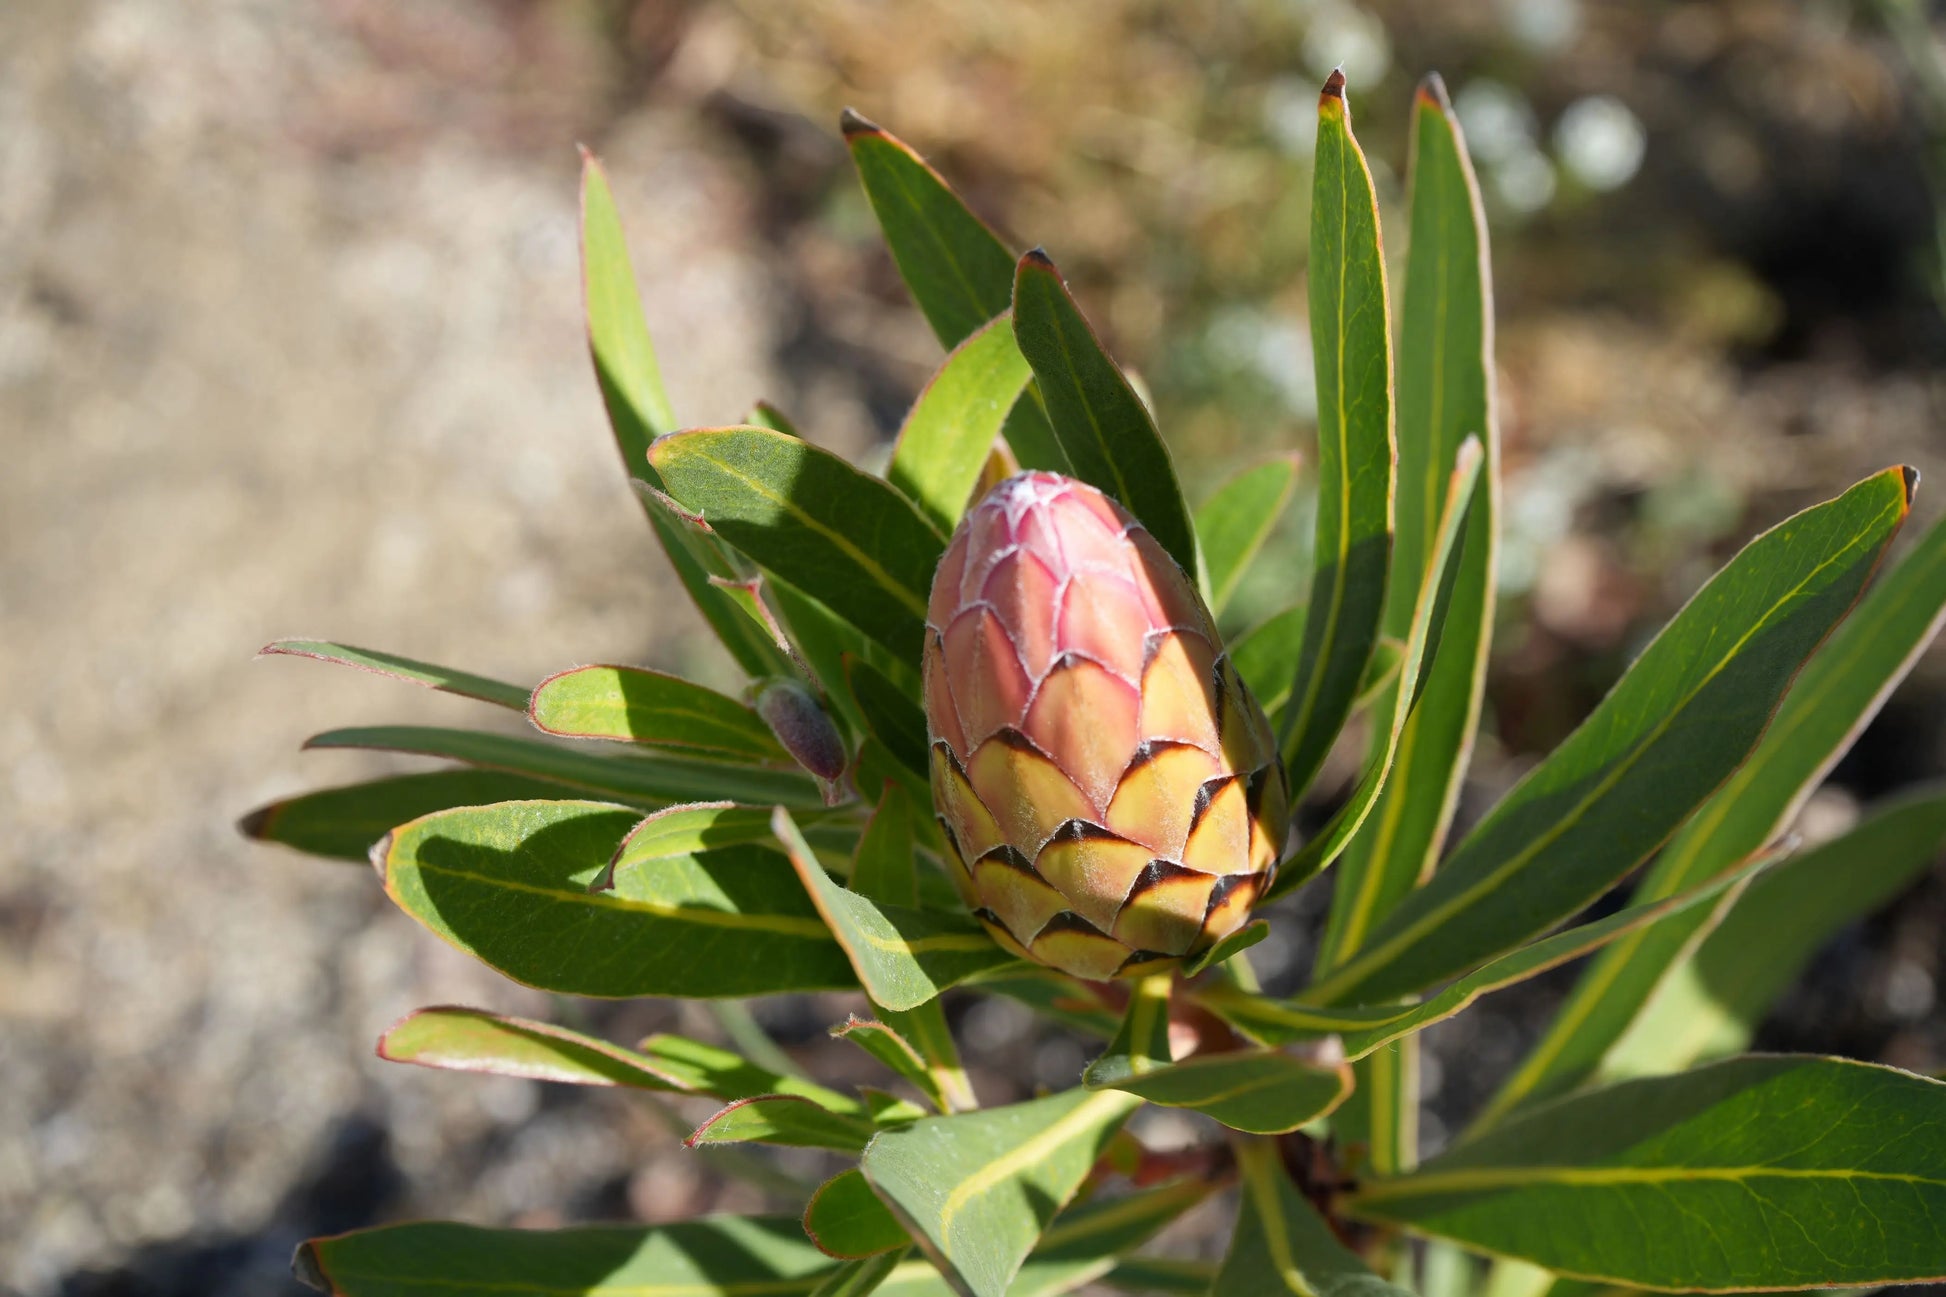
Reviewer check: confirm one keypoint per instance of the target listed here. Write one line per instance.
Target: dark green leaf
(976, 1189)
(1281, 1245)
(343, 823)
(1711, 1004)
(1234, 523)
(1351, 341)
(1234, 944)
(903, 957)
(720, 1256)
(706, 1069)
(891, 714)
(1260, 1091)
(688, 830)
(463, 683)
(783, 1119)
(885, 870)
(638, 411)
(843, 536)
(1055, 996)
(1762, 1172)
(1263, 656)
(1422, 638)
(1165, 1275)
(642, 779)
(1837, 694)
(1678, 723)
(652, 707)
(953, 425)
(1102, 425)
(862, 1277)
(846, 1219)
(509, 884)
(890, 1048)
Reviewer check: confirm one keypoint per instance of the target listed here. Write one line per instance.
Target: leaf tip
(256, 824)
(854, 123)
(1334, 85)
(380, 853)
(1432, 93)
(1911, 476)
(1036, 258)
(307, 1269)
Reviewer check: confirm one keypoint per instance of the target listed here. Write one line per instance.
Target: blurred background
(289, 345)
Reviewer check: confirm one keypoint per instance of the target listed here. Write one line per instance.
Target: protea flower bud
(1107, 785)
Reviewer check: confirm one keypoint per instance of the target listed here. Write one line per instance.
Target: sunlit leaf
(846, 1219)
(343, 823)
(651, 707)
(1282, 1245)
(784, 1119)
(1236, 520)
(445, 679)
(951, 429)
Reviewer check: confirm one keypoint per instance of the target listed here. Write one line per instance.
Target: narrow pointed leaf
(1759, 1172)
(977, 1189)
(1282, 1246)
(765, 415)
(862, 1277)
(950, 431)
(1259, 1091)
(1351, 340)
(885, 870)
(1422, 640)
(783, 1119)
(1169, 1276)
(844, 537)
(685, 831)
(1142, 1044)
(1104, 429)
(1672, 730)
(707, 1069)
(1366, 1028)
(641, 779)
(892, 716)
(1445, 396)
(890, 1048)
(509, 884)
(445, 679)
(651, 707)
(903, 957)
(473, 1040)
(1234, 523)
(638, 409)
(1056, 997)
(1263, 656)
(343, 823)
(1713, 1002)
(717, 1256)
(1235, 944)
(1836, 696)
(846, 1219)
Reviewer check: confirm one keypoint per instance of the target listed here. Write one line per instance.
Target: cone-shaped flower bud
(1108, 788)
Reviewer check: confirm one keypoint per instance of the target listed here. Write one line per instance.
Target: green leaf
(445, 679)
(1102, 425)
(1381, 672)
(1761, 1172)
(1234, 523)
(1159, 1274)
(639, 411)
(842, 536)
(343, 823)
(1671, 731)
(1422, 638)
(652, 707)
(862, 1277)
(952, 427)
(1142, 1043)
(1445, 396)
(1367, 1027)
(1712, 1004)
(717, 1256)
(1056, 997)
(1259, 1091)
(1836, 695)
(509, 884)
(472, 1040)
(903, 957)
(783, 1119)
(706, 1069)
(765, 415)
(686, 831)
(890, 1048)
(885, 869)
(1351, 340)
(1281, 1245)
(892, 715)
(846, 1219)
(1234, 944)
(976, 1189)
(641, 779)
(1263, 655)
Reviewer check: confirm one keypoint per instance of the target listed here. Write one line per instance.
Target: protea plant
(1022, 624)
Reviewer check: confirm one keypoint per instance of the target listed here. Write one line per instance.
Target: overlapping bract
(1109, 786)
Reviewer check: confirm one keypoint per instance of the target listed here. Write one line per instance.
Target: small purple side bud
(802, 726)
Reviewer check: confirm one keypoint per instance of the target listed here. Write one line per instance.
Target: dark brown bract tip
(1037, 257)
(852, 122)
(1433, 91)
(256, 824)
(1334, 85)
